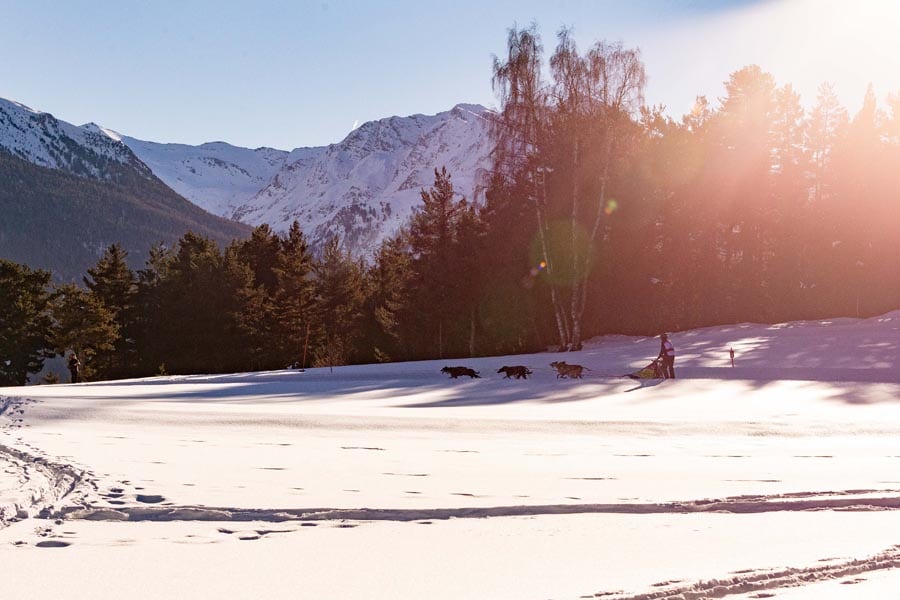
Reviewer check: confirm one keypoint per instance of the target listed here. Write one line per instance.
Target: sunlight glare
(801, 42)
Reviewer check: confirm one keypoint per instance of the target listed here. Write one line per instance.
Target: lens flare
(611, 207)
(535, 271)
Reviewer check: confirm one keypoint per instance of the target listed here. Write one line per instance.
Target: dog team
(663, 367)
(563, 370)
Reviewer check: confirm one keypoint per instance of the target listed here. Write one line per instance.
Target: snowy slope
(44, 140)
(216, 176)
(775, 477)
(360, 190)
(364, 188)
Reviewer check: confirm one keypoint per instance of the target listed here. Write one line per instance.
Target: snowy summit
(361, 189)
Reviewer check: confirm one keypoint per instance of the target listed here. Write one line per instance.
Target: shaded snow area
(778, 478)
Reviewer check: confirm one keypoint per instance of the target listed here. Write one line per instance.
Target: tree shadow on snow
(846, 354)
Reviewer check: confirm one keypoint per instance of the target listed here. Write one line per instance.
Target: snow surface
(777, 477)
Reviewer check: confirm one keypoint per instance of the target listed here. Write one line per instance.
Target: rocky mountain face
(67, 193)
(43, 140)
(361, 190)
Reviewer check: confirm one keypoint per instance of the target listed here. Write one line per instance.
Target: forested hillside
(62, 222)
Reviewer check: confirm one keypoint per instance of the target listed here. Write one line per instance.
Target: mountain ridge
(68, 192)
(361, 190)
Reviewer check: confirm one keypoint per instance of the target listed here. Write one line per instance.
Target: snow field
(391, 481)
(557, 556)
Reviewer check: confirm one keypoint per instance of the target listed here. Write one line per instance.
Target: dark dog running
(517, 371)
(455, 372)
(563, 369)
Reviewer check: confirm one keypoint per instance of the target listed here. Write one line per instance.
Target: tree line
(750, 209)
(265, 302)
(602, 215)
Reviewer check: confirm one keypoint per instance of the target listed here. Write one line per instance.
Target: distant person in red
(74, 366)
(667, 354)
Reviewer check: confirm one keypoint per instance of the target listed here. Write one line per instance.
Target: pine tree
(827, 123)
(863, 215)
(114, 285)
(433, 237)
(786, 261)
(196, 326)
(466, 261)
(150, 340)
(339, 301)
(294, 301)
(253, 313)
(261, 252)
(84, 325)
(25, 322)
(741, 168)
(389, 301)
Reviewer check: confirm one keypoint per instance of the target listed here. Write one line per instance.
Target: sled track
(758, 581)
(801, 501)
(42, 483)
(749, 581)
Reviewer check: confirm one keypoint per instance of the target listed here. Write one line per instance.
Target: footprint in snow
(149, 498)
(52, 544)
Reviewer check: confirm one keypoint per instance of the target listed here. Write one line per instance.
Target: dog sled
(652, 371)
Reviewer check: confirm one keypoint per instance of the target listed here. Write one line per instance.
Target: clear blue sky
(298, 73)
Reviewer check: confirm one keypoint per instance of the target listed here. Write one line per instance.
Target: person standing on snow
(667, 354)
(74, 365)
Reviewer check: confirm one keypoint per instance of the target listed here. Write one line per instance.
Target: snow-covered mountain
(68, 192)
(360, 190)
(216, 176)
(364, 188)
(44, 140)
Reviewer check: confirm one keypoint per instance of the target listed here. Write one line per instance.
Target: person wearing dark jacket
(74, 366)
(667, 354)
